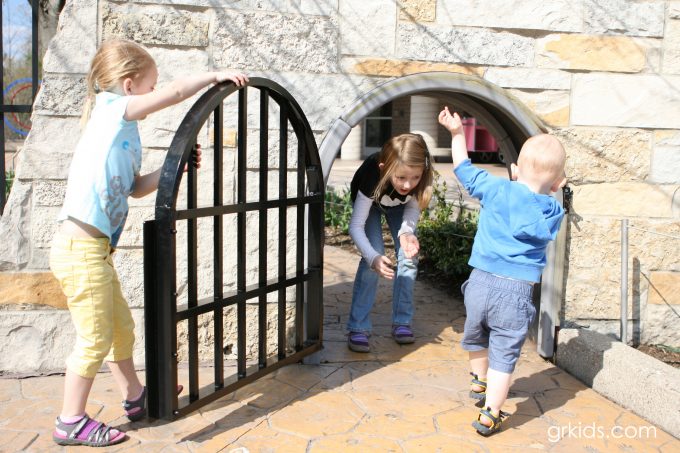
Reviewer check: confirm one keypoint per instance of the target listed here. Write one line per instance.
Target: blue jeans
(366, 281)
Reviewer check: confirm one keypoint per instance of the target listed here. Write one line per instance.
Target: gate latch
(567, 197)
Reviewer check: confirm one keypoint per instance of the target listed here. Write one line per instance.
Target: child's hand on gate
(409, 244)
(383, 266)
(195, 158)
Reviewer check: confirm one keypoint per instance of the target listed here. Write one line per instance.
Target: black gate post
(161, 329)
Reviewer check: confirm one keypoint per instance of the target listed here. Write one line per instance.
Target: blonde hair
(115, 60)
(410, 150)
(544, 156)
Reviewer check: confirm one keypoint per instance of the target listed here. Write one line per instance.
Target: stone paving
(410, 398)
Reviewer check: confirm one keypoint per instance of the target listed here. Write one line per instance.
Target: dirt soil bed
(664, 354)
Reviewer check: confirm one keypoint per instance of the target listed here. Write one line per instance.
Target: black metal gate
(182, 312)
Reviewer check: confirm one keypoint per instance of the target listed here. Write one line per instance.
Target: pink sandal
(86, 431)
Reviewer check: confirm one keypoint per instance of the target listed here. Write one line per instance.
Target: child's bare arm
(176, 91)
(454, 125)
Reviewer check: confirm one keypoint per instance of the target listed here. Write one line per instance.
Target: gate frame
(511, 123)
(160, 308)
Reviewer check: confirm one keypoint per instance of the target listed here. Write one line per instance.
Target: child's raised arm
(453, 124)
(176, 91)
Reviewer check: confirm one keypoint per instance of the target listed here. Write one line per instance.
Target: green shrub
(446, 233)
(338, 210)
(9, 179)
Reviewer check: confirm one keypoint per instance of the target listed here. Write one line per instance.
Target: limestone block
(674, 10)
(60, 134)
(132, 235)
(418, 10)
(43, 161)
(367, 28)
(129, 263)
(35, 341)
(560, 15)
(43, 225)
(594, 253)
(671, 61)
(14, 227)
(60, 95)
(24, 290)
(671, 47)
(593, 53)
(551, 106)
(529, 78)
(664, 288)
(40, 258)
(667, 138)
(398, 68)
(269, 41)
(665, 168)
(471, 46)
(624, 17)
(659, 325)
(155, 25)
(206, 333)
(331, 96)
(623, 101)
(77, 30)
(49, 193)
(624, 199)
(605, 155)
(178, 62)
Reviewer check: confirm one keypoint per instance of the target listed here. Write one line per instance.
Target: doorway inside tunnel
(496, 125)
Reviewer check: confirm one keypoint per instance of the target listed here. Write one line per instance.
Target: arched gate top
(187, 132)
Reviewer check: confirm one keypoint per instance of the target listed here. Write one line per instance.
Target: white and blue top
(104, 166)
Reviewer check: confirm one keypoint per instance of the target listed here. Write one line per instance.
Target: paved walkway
(397, 398)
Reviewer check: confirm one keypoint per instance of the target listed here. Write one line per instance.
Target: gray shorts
(499, 312)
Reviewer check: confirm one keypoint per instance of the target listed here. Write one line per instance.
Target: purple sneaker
(403, 334)
(358, 342)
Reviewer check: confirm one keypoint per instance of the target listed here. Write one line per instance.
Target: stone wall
(603, 75)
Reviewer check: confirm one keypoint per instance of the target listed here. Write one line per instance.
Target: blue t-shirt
(104, 166)
(515, 224)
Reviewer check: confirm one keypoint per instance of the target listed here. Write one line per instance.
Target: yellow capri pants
(100, 313)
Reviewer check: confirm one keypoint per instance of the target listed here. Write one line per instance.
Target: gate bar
(283, 221)
(241, 229)
(264, 176)
(218, 247)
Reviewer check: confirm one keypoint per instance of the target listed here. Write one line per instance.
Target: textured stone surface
(663, 288)
(457, 45)
(23, 290)
(623, 101)
(624, 17)
(61, 95)
(605, 155)
(560, 15)
(14, 224)
(302, 43)
(367, 28)
(594, 253)
(624, 199)
(592, 53)
(155, 25)
(398, 68)
(529, 78)
(77, 30)
(551, 106)
(658, 322)
(418, 10)
(665, 167)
